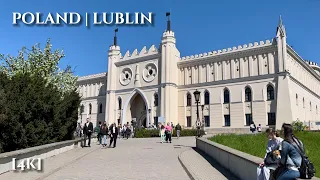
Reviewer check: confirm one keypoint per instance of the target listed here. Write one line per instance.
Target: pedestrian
(178, 129)
(97, 130)
(162, 133)
(114, 134)
(104, 132)
(168, 131)
(87, 132)
(119, 130)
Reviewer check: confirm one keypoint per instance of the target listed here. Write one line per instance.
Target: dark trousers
(87, 136)
(168, 137)
(114, 140)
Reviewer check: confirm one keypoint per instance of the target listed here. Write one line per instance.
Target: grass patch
(256, 144)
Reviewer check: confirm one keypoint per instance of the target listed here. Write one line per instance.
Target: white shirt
(114, 129)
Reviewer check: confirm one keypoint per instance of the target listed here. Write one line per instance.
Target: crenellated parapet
(142, 53)
(311, 63)
(231, 50)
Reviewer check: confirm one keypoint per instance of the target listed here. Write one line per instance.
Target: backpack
(307, 170)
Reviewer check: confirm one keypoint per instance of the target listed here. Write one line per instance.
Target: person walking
(162, 133)
(97, 130)
(168, 131)
(178, 129)
(114, 134)
(87, 131)
(103, 133)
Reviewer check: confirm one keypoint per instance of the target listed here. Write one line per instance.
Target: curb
(184, 166)
(65, 164)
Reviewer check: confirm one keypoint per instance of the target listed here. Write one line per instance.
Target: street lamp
(197, 97)
(203, 122)
(149, 110)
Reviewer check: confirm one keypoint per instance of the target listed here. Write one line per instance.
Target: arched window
(248, 94)
(82, 109)
(226, 96)
(303, 102)
(156, 99)
(90, 108)
(120, 103)
(100, 108)
(188, 99)
(297, 100)
(206, 98)
(270, 93)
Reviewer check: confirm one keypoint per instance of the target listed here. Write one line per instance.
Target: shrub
(144, 133)
(298, 125)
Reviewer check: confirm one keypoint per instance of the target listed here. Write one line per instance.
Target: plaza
(133, 159)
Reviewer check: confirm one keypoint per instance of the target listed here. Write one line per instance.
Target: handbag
(271, 159)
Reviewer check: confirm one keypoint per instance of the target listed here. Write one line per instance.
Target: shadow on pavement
(216, 165)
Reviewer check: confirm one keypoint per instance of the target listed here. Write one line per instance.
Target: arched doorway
(136, 108)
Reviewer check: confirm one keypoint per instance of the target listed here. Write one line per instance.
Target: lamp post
(149, 110)
(203, 122)
(197, 98)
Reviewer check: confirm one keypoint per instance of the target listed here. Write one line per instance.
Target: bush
(144, 133)
(298, 125)
(33, 112)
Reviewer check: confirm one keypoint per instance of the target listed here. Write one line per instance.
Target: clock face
(125, 76)
(150, 71)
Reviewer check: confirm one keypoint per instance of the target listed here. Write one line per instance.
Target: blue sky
(200, 26)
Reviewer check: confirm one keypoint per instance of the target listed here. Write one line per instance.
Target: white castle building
(266, 81)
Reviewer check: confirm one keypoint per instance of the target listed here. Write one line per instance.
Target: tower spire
(168, 22)
(281, 31)
(115, 37)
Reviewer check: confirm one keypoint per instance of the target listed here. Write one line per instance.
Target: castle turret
(114, 56)
(284, 104)
(169, 74)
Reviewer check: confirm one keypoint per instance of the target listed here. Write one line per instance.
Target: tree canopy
(42, 62)
(38, 102)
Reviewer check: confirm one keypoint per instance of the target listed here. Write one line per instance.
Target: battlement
(168, 33)
(311, 63)
(230, 50)
(144, 52)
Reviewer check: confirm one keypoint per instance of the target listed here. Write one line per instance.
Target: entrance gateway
(136, 108)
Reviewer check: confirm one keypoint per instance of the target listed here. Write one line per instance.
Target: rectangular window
(271, 118)
(118, 121)
(207, 121)
(155, 121)
(248, 119)
(188, 121)
(227, 120)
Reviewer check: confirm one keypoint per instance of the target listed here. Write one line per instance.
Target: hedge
(144, 133)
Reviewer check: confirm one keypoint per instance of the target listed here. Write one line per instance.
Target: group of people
(167, 131)
(284, 156)
(254, 128)
(103, 132)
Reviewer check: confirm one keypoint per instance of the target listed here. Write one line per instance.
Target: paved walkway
(133, 159)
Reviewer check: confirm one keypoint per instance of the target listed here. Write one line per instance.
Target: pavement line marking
(65, 164)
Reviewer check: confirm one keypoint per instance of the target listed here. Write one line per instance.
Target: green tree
(42, 62)
(38, 102)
